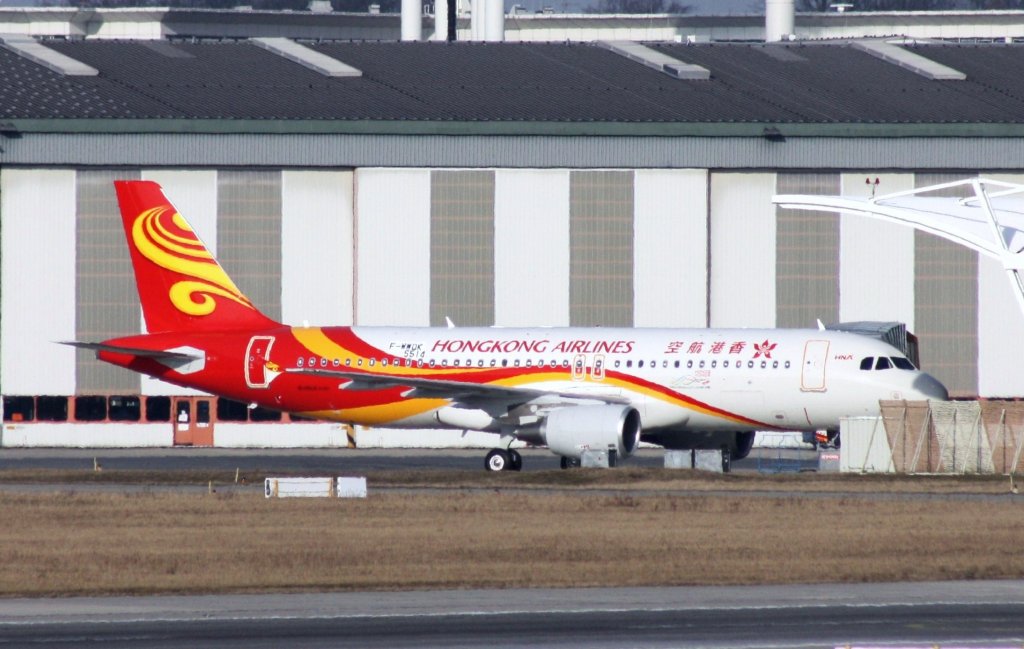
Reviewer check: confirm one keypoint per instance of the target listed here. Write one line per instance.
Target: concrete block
(594, 459)
(828, 460)
(678, 459)
(708, 460)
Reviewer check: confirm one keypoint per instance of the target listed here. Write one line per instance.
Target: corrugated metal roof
(511, 82)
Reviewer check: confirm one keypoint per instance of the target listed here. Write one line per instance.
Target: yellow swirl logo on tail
(165, 238)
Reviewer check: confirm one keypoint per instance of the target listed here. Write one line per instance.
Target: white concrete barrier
(298, 487)
(351, 488)
(278, 435)
(82, 435)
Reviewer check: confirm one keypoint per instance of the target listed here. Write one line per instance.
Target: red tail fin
(181, 285)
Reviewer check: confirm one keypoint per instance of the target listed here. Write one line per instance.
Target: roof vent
(909, 61)
(657, 60)
(27, 47)
(307, 57)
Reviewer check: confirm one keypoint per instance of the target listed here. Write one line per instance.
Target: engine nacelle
(572, 430)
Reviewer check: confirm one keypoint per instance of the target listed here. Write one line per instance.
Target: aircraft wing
(427, 388)
(158, 354)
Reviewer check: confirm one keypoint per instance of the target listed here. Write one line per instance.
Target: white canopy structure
(990, 220)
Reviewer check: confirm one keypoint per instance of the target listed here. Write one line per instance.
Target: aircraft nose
(928, 387)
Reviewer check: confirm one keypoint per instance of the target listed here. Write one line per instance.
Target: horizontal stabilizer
(157, 354)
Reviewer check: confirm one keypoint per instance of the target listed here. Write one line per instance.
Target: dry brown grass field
(579, 528)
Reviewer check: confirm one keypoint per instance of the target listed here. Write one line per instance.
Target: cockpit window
(867, 363)
(902, 363)
(883, 363)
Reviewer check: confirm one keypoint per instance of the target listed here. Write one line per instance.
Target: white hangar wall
(512, 247)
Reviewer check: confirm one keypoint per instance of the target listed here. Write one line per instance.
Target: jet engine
(572, 430)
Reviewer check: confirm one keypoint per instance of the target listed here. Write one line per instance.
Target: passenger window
(494, 361)
(725, 363)
(336, 362)
(300, 362)
(432, 362)
(516, 363)
(312, 361)
(787, 365)
(444, 363)
(701, 365)
(504, 362)
(714, 364)
(629, 363)
(883, 363)
(323, 362)
(689, 365)
(750, 364)
(764, 364)
(640, 364)
(867, 363)
(529, 363)
(372, 361)
(677, 365)
(456, 363)
(618, 363)
(348, 362)
(775, 365)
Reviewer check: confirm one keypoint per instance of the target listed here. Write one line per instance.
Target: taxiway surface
(963, 614)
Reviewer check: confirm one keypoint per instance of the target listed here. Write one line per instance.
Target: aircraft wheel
(569, 462)
(497, 460)
(515, 460)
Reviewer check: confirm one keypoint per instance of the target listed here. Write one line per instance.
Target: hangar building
(497, 184)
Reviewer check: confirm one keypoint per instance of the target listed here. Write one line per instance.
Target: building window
(230, 410)
(92, 408)
(19, 409)
(52, 408)
(158, 408)
(601, 248)
(249, 234)
(462, 247)
(124, 408)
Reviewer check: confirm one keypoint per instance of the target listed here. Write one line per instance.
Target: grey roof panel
(792, 83)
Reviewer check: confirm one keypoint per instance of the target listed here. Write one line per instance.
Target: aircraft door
(579, 367)
(257, 354)
(812, 377)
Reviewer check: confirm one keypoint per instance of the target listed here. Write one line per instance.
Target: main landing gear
(500, 459)
(570, 462)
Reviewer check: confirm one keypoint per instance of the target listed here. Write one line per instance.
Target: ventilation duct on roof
(779, 16)
(27, 47)
(908, 60)
(306, 57)
(412, 20)
(487, 20)
(657, 60)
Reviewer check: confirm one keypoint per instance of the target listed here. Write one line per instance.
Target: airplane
(573, 389)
